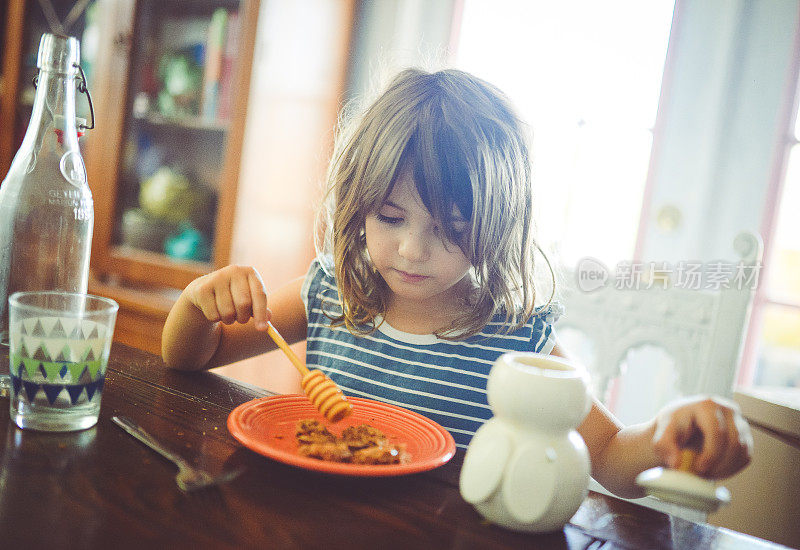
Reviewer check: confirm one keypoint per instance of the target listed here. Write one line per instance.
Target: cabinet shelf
(141, 266)
(183, 123)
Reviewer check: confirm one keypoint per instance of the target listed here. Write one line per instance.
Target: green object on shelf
(181, 78)
(170, 195)
(189, 244)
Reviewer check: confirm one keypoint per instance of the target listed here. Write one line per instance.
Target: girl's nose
(414, 247)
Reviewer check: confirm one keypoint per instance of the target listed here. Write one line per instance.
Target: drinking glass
(58, 352)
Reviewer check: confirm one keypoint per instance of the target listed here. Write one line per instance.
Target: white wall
(729, 65)
(393, 34)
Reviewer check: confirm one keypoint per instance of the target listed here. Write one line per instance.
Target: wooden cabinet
(166, 163)
(169, 81)
(260, 165)
(168, 155)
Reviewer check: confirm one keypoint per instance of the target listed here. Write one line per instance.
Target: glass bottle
(46, 207)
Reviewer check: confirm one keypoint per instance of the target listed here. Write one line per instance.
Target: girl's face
(409, 250)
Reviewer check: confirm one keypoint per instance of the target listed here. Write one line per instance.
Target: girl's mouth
(411, 277)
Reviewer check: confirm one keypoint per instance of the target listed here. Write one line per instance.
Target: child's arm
(221, 318)
(618, 453)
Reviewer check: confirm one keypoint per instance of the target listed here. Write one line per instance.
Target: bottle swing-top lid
(59, 53)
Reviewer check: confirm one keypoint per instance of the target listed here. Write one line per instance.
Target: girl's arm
(619, 453)
(221, 318)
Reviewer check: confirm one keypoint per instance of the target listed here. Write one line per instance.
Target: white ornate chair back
(700, 327)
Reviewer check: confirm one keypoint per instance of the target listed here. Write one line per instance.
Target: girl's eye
(391, 220)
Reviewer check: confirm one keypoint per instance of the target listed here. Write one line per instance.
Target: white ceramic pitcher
(527, 468)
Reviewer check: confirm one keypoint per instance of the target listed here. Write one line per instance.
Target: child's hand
(714, 426)
(231, 294)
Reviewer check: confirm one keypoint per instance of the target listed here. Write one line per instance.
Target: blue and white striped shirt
(442, 379)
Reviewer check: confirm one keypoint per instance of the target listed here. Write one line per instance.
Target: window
(587, 77)
(778, 306)
(591, 100)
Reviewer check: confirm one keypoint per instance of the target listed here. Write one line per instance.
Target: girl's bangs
(440, 167)
(384, 166)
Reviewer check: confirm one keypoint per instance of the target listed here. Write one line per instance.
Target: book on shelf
(215, 44)
(229, 55)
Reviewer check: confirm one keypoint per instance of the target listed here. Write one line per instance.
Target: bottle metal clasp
(82, 88)
(85, 90)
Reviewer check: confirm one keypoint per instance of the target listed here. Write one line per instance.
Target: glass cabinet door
(175, 168)
(177, 115)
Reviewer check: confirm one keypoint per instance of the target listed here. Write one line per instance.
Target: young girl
(426, 277)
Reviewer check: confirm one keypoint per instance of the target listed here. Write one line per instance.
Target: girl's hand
(714, 426)
(233, 294)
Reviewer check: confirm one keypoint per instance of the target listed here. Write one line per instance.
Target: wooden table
(100, 488)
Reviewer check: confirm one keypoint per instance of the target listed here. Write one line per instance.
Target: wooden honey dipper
(321, 390)
(681, 486)
(686, 462)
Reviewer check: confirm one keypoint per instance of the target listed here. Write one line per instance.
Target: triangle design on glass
(31, 389)
(76, 370)
(65, 354)
(31, 366)
(52, 369)
(38, 330)
(41, 353)
(58, 330)
(91, 387)
(94, 367)
(74, 392)
(76, 333)
(52, 391)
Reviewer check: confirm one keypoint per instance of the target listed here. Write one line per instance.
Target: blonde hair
(465, 146)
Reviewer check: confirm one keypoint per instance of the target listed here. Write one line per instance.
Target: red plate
(267, 426)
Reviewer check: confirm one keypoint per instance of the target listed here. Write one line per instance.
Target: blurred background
(660, 130)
